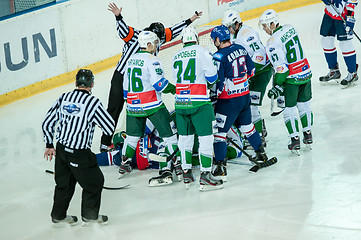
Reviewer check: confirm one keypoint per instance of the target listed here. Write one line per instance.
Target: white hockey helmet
(146, 37)
(189, 34)
(230, 18)
(269, 16)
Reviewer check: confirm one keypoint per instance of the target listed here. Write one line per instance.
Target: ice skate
(102, 220)
(294, 145)
(165, 178)
(333, 74)
(71, 220)
(125, 168)
(178, 169)
(307, 139)
(220, 170)
(261, 155)
(188, 178)
(350, 79)
(209, 182)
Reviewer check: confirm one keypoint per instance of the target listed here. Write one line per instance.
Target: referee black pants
(115, 102)
(77, 166)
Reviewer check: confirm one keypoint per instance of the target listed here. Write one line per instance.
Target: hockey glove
(275, 92)
(349, 24)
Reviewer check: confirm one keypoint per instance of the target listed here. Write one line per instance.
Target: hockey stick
(344, 21)
(273, 114)
(255, 168)
(157, 158)
(107, 188)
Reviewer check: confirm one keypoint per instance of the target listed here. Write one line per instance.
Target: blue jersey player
(233, 102)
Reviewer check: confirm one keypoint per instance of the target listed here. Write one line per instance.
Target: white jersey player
(143, 85)
(292, 77)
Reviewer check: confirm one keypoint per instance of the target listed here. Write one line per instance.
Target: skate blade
(63, 224)
(121, 175)
(223, 178)
(204, 188)
(188, 185)
(297, 152)
(92, 223)
(349, 85)
(164, 182)
(309, 146)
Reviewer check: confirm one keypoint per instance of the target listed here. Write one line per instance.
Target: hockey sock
(220, 146)
(329, 50)
(130, 144)
(256, 118)
(185, 145)
(291, 121)
(205, 152)
(252, 135)
(306, 115)
(349, 55)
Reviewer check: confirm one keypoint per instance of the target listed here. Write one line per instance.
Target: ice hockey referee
(76, 112)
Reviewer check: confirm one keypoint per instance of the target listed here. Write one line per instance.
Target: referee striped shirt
(130, 36)
(77, 113)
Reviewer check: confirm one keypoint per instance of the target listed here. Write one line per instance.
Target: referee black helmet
(84, 78)
(157, 28)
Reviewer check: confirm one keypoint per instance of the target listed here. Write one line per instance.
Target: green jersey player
(194, 70)
(142, 88)
(292, 77)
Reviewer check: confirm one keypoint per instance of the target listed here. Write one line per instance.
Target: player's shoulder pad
(218, 56)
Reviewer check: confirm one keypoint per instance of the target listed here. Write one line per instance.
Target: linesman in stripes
(76, 114)
(130, 37)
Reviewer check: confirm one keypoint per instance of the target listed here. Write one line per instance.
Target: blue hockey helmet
(221, 32)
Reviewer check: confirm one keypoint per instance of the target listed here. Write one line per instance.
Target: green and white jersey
(287, 57)
(143, 83)
(193, 69)
(249, 39)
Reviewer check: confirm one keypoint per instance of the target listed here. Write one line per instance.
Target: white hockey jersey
(286, 54)
(193, 69)
(249, 39)
(143, 83)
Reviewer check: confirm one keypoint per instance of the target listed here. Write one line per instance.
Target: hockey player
(233, 104)
(292, 77)
(130, 37)
(194, 70)
(143, 87)
(249, 39)
(339, 20)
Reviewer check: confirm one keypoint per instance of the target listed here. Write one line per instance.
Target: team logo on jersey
(71, 108)
(271, 49)
(250, 38)
(159, 71)
(156, 63)
(259, 58)
(254, 97)
(279, 69)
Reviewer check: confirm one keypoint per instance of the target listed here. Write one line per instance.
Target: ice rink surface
(315, 196)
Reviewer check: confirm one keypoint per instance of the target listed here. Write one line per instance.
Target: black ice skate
(102, 220)
(71, 220)
(125, 168)
(209, 182)
(350, 79)
(165, 178)
(188, 178)
(261, 155)
(333, 74)
(294, 145)
(220, 170)
(307, 139)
